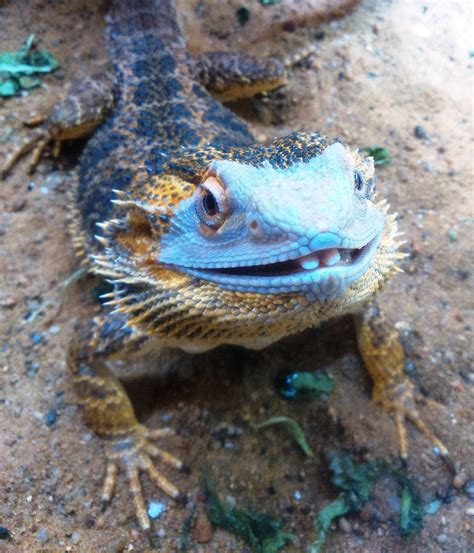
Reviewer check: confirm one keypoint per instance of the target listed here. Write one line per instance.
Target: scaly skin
(208, 238)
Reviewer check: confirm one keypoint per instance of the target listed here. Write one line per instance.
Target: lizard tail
(142, 30)
(146, 45)
(134, 20)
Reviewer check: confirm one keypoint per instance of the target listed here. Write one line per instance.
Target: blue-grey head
(311, 226)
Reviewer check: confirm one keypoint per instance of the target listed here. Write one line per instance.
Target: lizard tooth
(330, 257)
(346, 256)
(309, 263)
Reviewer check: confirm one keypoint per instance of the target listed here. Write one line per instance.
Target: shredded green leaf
(293, 429)
(322, 524)
(18, 69)
(412, 509)
(356, 482)
(262, 532)
(304, 385)
(381, 155)
(184, 535)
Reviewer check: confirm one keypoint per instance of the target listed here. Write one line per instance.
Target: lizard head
(245, 235)
(311, 227)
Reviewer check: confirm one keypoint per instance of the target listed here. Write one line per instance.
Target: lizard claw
(133, 452)
(38, 141)
(400, 399)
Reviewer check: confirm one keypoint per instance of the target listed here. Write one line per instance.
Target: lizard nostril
(255, 228)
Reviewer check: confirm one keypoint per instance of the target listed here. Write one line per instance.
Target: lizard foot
(400, 399)
(38, 142)
(133, 452)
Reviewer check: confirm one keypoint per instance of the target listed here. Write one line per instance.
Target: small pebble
(345, 525)
(36, 338)
(166, 417)
(420, 132)
(43, 535)
(297, 495)
(55, 329)
(452, 235)
(460, 480)
(76, 537)
(243, 15)
(4, 533)
(442, 538)
(469, 489)
(155, 509)
(202, 531)
(468, 377)
(51, 417)
(8, 302)
(230, 502)
(32, 368)
(18, 205)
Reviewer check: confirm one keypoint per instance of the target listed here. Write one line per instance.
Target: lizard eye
(211, 203)
(360, 184)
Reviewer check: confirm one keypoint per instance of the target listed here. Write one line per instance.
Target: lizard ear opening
(139, 223)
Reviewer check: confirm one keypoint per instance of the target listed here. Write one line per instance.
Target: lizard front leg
(109, 413)
(384, 358)
(82, 110)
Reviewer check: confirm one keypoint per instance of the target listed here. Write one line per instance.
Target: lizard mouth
(317, 260)
(327, 272)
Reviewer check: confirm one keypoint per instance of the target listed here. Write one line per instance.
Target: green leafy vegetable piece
(322, 524)
(357, 482)
(18, 69)
(9, 87)
(381, 155)
(412, 509)
(304, 384)
(26, 82)
(262, 532)
(293, 429)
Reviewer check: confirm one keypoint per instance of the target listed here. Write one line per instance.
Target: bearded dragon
(208, 237)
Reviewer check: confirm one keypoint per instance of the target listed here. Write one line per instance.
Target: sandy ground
(377, 74)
